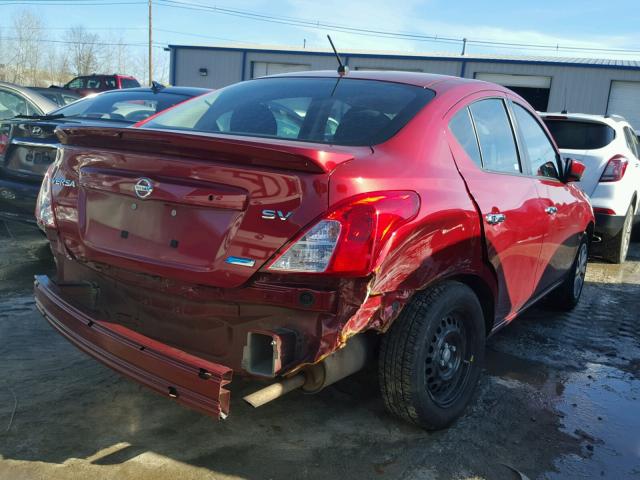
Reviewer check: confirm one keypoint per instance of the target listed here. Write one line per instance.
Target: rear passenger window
(462, 128)
(497, 145)
(542, 156)
(632, 141)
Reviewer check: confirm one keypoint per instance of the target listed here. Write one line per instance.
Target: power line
(97, 3)
(305, 23)
(321, 25)
(102, 44)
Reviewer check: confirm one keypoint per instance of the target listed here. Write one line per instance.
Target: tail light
(44, 209)
(604, 211)
(348, 240)
(4, 138)
(614, 171)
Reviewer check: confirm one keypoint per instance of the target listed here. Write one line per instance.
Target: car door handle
(551, 210)
(495, 218)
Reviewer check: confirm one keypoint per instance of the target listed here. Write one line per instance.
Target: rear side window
(577, 135)
(321, 110)
(497, 144)
(12, 104)
(76, 83)
(632, 141)
(122, 105)
(462, 128)
(129, 83)
(540, 152)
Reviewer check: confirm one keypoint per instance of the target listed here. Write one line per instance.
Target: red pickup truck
(87, 84)
(296, 227)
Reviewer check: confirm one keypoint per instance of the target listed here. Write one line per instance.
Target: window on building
(262, 69)
(390, 69)
(533, 88)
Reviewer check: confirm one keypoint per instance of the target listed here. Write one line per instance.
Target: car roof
(43, 102)
(427, 80)
(611, 120)
(193, 91)
(58, 91)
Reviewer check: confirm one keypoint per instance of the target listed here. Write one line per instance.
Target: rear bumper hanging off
(190, 380)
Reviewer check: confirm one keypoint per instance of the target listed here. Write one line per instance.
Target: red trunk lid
(203, 219)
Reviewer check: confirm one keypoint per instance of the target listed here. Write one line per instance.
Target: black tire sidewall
(466, 303)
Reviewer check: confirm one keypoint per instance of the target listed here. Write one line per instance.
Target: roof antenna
(342, 68)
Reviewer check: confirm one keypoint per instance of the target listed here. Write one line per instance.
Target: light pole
(150, 46)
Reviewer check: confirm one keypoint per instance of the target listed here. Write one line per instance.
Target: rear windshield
(575, 135)
(323, 110)
(122, 105)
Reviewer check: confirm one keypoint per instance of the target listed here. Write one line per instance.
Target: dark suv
(87, 84)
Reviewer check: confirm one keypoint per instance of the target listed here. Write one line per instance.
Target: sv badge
(273, 214)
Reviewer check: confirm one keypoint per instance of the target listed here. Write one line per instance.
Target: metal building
(548, 83)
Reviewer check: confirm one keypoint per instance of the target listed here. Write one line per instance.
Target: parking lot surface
(560, 399)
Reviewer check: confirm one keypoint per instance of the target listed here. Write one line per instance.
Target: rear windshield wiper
(41, 117)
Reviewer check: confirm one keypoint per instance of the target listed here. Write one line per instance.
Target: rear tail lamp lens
(348, 240)
(604, 211)
(44, 209)
(614, 171)
(4, 138)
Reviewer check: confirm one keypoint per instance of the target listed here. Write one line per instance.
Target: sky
(614, 24)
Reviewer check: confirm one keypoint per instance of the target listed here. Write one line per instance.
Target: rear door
(561, 204)
(513, 218)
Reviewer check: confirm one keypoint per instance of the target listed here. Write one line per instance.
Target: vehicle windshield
(577, 135)
(122, 106)
(322, 110)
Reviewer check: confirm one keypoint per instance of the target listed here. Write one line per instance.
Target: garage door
(624, 100)
(533, 88)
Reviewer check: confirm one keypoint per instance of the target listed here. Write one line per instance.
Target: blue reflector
(245, 262)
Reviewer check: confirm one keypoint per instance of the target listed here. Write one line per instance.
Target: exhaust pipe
(335, 367)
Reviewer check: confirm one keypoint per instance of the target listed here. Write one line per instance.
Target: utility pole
(150, 46)
(464, 44)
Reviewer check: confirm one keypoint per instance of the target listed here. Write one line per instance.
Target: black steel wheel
(431, 357)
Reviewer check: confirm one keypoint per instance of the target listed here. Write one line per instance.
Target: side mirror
(574, 170)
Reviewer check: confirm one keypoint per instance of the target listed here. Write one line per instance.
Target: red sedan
(297, 227)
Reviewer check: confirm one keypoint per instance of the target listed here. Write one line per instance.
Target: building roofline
(584, 63)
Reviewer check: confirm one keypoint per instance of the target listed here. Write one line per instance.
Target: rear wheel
(615, 251)
(567, 295)
(431, 357)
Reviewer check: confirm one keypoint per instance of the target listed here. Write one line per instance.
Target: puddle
(599, 406)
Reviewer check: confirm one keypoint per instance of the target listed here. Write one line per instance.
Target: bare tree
(84, 50)
(26, 46)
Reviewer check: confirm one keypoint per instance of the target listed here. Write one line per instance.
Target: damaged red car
(296, 228)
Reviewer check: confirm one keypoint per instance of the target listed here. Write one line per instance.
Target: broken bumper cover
(191, 381)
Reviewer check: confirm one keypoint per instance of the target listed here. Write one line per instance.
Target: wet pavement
(560, 399)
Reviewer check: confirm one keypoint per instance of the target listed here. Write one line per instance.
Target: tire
(443, 323)
(616, 249)
(567, 295)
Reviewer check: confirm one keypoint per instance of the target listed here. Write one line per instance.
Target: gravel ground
(560, 399)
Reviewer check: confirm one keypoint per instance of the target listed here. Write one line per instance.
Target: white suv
(610, 149)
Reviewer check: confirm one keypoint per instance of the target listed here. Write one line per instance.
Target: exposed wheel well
(590, 230)
(485, 297)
